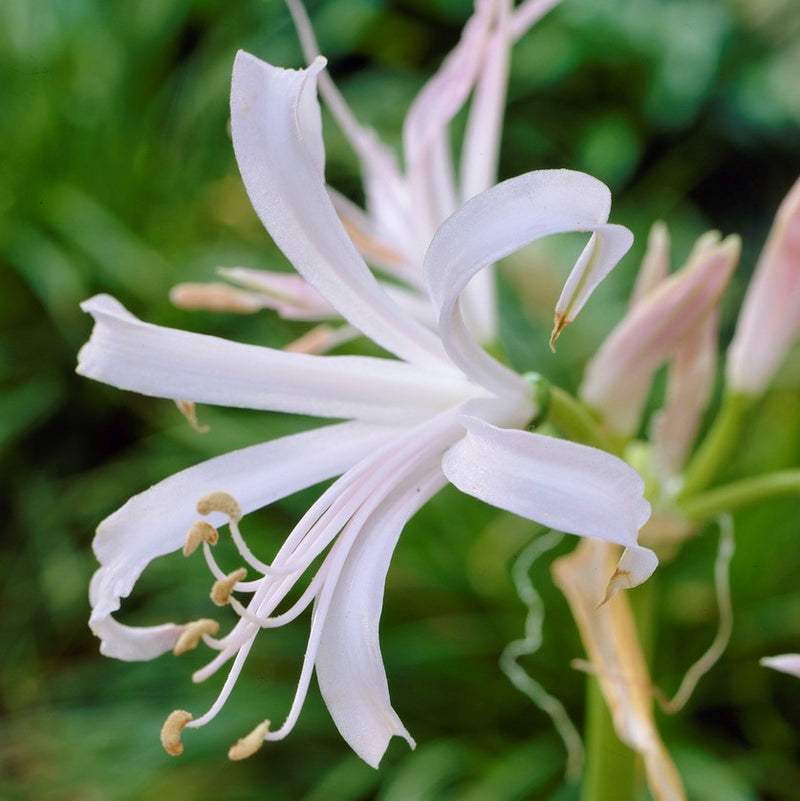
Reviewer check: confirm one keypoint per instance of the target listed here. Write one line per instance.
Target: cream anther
(171, 731)
(222, 589)
(250, 743)
(220, 502)
(214, 297)
(199, 532)
(192, 634)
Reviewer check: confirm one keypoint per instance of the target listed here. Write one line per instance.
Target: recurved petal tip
(636, 566)
(785, 663)
(560, 322)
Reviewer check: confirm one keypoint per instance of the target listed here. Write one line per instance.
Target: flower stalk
(718, 445)
(572, 417)
(740, 494)
(611, 767)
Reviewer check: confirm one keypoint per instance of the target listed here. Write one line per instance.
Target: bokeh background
(117, 175)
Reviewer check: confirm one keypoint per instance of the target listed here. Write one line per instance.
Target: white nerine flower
(403, 206)
(442, 410)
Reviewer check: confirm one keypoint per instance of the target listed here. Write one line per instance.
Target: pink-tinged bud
(655, 264)
(618, 378)
(769, 321)
(653, 270)
(690, 382)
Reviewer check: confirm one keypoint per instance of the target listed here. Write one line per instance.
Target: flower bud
(618, 378)
(769, 321)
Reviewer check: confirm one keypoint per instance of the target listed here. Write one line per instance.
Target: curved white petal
(481, 147)
(384, 186)
(527, 14)
(607, 245)
(447, 91)
(134, 643)
(349, 666)
(383, 246)
(785, 663)
(280, 172)
(501, 220)
(480, 152)
(560, 484)
(426, 143)
(166, 363)
(156, 521)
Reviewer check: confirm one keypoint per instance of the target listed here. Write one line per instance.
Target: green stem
(719, 443)
(738, 494)
(575, 420)
(610, 771)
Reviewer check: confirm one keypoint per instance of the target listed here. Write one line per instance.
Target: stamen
(341, 510)
(188, 410)
(319, 339)
(230, 680)
(214, 297)
(222, 589)
(370, 246)
(241, 546)
(271, 622)
(248, 745)
(200, 532)
(220, 502)
(219, 573)
(171, 731)
(192, 634)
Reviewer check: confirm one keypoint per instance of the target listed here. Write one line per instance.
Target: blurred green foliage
(117, 175)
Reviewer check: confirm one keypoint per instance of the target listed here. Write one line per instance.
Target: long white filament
(338, 516)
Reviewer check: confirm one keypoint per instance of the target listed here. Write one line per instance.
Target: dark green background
(117, 175)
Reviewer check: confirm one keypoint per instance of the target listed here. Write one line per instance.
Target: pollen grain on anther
(222, 589)
(193, 633)
(171, 731)
(199, 532)
(250, 743)
(219, 501)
